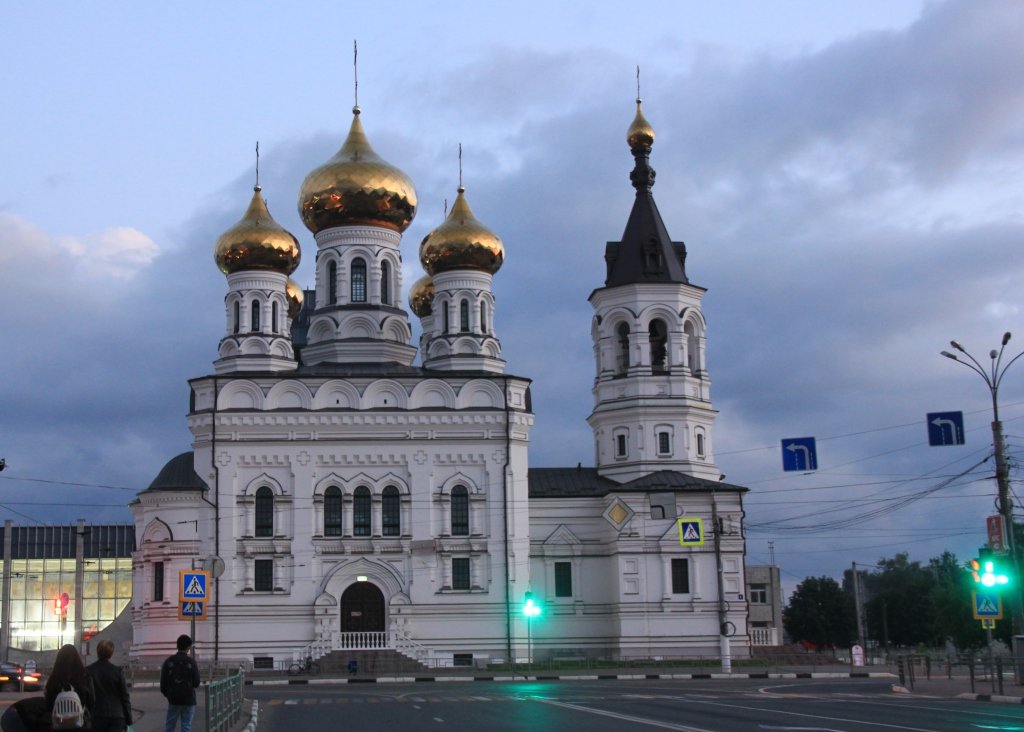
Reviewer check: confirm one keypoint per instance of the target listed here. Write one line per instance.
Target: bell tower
(652, 392)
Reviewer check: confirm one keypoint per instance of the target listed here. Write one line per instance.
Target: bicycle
(309, 666)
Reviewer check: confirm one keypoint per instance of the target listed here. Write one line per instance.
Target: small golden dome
(357, 186)
(461, 242)
(257, 242)
(421, 297)
(293, 291)
(640, 132)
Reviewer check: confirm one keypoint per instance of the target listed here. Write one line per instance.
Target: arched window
(361, 511)
(332, 511)
(444, 307)
(332, 283)
(622, 362)
(391, 521)
(255, 316)
(385, 283)
(273, 316)
(700, 444)
(658, 336)
(464, 316)
(460, 511)
(238, 316)
(358, 280)
(483, 317)
(264, 512)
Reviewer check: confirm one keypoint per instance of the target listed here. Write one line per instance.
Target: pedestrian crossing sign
(987, 605)
(691, 531)
(188, 610)
(193, 584)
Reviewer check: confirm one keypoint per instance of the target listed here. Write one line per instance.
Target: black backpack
(179, 679)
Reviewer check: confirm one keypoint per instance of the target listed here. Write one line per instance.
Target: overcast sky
(848, 179)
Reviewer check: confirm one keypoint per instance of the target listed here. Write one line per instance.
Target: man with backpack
(179, 679)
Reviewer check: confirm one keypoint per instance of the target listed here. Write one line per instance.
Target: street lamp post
(993, 376)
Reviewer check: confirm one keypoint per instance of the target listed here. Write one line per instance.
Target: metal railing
(224, 699)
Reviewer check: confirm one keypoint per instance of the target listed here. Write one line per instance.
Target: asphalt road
(613, 706)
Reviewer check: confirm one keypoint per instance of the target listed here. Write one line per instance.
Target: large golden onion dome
(257, 242)
(461, 242)
(293, 291)
(421, 296)
(357, 186)
(640, 131)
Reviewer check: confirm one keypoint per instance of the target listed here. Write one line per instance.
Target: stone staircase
(371, 663)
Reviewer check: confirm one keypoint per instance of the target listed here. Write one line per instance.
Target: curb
(253, 719)
(992, 698)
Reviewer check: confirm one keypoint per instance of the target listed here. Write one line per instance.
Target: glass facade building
(62, 584)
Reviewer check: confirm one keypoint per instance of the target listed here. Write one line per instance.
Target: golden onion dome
(640, 131)
(421, 297)
(461, 242)
(257, 242)
(293, 291)
(357, 186)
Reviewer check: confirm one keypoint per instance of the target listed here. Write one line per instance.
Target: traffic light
(990, 570)
(530, 608)
(60, 604)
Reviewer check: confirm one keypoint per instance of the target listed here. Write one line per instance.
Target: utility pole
(723, 618)
(993, 376)
(858, 608)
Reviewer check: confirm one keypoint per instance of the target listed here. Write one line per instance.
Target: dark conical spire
(646, 252)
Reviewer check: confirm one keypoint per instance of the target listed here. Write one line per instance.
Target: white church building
(345, 496)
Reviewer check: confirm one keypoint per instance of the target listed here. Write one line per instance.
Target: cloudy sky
(848, 178)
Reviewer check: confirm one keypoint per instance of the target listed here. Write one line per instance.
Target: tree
(951, 600)
(899, 597)
(821, 613)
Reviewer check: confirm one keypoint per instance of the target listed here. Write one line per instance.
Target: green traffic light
(530, 608)
(992, 575)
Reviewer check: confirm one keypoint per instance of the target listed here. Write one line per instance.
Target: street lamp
(531, 610)
(993, 376)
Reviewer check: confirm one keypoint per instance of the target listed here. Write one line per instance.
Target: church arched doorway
(362, 608)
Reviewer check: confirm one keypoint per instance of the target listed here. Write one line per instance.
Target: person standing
(69, 674)
(113, 710)
(179, 679)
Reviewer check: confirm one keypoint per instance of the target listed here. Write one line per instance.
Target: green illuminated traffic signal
(990, 571)
(530, 608)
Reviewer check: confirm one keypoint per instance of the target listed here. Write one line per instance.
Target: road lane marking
(819, 717)
(624, 717)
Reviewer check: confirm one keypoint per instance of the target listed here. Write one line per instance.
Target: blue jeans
(179, 710)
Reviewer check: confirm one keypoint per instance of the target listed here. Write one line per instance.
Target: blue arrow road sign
(799, 453)
(945, 428)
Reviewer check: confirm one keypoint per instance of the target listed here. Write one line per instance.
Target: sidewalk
(960, 687)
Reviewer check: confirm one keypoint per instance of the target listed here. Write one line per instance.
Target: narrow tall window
(447, 325)
(680, 576)
(385, 283)
(620, 446)
(238, 316)
(332, 283)
(264, 512)
(464, 316)
(563, 579)
(622, 362)
(273, 317)
(390, 508)
(358, 280)
(264, 575)
(361, 511)
(332, 511)
(700, 444)
(460, 573)
(460, 511)
(483, 317)
(658, 336)
(255, 316)
(158, 581)
(664, 443)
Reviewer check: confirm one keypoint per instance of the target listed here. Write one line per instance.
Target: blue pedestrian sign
(799, 453)
(188, 610)
(691, 531)
(945, 428)
(987, 605)
(193, 584)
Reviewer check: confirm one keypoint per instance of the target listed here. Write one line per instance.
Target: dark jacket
(111, 691)
(175, 695)
(33, 713)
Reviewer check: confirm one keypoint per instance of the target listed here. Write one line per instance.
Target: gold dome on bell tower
(257, 242)
(640, 132)
(461, 242)
(357, 186)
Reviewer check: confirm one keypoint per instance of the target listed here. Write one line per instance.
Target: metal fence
(224, 699)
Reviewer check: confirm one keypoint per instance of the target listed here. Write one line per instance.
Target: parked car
(11, 676)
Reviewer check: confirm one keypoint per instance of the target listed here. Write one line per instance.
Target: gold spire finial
(257, 186)
(355, 74)
(638, 83)
(460, 169)
(446, 206)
